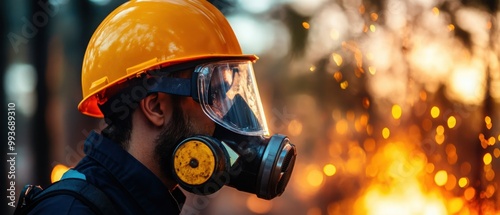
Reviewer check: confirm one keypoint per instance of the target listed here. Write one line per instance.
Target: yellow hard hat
(142, 35)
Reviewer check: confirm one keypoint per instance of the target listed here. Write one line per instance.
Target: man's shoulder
(61, 204)
(73, 194)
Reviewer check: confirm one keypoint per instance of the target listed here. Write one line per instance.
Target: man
(182, 107)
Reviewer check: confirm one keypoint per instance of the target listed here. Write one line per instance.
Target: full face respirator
(240, 153)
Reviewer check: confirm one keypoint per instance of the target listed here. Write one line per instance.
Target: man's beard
(177, 129)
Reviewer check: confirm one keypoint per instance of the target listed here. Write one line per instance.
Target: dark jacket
(131, 186)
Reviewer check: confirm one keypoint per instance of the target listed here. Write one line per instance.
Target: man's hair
(119, 132)
(117, 111)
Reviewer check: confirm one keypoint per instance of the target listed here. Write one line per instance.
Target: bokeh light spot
(451, 182)
(439, 138)
(463, 182)
(423, 95)
(489, 175)
(491, 141)
(386, 133)
(469, 193)
(440, 129)
(372, 70)
(329, 170)
(305, 25)
(396, 111)
(337, 59)
(341, 127)
(435, 11)
(338, 76)
(451, 27)
(487, 158)
(490, 190)
(372, 28)
(435, 112)
(344, 85)
(496, 152)
(487, 120)
(441, 177)
(366, 105)
(452, 122)
(314, 178)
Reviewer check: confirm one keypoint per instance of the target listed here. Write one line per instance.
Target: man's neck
(145, 154)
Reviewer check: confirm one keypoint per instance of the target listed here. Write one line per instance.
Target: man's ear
(155, 109)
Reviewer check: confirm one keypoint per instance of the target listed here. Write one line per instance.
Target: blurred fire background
(394, 105)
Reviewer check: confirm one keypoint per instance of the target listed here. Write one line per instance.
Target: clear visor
(229, 96)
